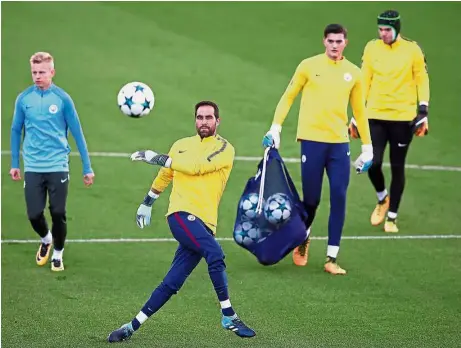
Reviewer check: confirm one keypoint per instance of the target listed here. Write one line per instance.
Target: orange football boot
(379, 214)
(301, 253)
(333, 268)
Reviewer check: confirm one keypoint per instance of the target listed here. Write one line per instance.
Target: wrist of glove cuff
(162, 160)
(368, 148)
(422, 110)
(276, 128)
(150, 198)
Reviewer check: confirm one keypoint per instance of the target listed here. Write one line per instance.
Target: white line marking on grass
(257, 159)
(161, 240)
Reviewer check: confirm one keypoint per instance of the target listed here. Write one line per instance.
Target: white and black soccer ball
(277, 209)
(136, 99)
(247, 233)
(248, 205)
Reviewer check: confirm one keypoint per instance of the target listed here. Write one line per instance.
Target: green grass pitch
(398, 293)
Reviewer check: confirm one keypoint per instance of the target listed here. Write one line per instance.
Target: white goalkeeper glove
(272, 137)
(152, 157)
(365, 160)
(143, 215)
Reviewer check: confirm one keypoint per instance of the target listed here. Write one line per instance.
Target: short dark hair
(334, 29)
(208, 103)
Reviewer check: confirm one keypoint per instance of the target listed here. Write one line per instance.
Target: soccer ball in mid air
(247, 233)
(136, 99)
(277, 209)
(248, 205)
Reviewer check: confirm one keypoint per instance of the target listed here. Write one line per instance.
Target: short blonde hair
(42, 57)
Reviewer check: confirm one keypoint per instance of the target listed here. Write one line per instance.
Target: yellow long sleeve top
(395, 78)
(200, 170)
(327, 87)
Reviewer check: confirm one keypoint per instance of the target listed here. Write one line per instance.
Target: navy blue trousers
(316, 157)
(196, 241)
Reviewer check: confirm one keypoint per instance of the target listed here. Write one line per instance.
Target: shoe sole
(387, 231)
(376, 223)
(225, 328)
(345, 272)
(300, 265)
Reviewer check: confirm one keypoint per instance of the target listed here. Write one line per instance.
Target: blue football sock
(219, 280)
(135, 324)
(228, 312)
(159, 297)
(336, 219)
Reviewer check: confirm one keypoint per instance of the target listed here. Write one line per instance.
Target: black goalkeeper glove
(420, 124)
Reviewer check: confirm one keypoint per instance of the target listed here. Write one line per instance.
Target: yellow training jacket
(327, 87)
(395, 78)
(200, 169)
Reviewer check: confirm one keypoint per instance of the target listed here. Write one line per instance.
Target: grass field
(398, 293)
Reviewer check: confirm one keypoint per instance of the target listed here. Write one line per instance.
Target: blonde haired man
(45, 113)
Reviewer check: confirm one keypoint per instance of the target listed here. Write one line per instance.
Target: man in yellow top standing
(328, 82)
(396, 78)
(199, 167)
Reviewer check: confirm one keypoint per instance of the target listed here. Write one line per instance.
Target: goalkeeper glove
(272, 137)
(145, 210)
(365, 160)
(353, 130)
(420, 124)
(152, 157)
